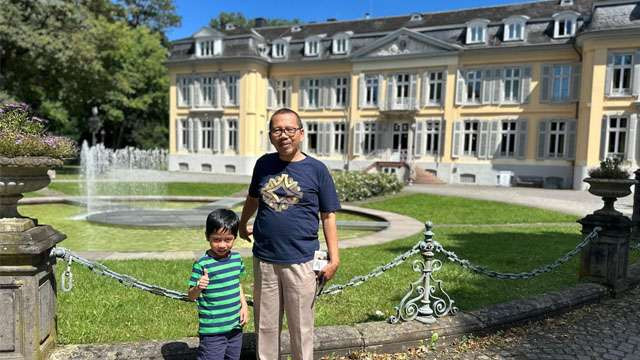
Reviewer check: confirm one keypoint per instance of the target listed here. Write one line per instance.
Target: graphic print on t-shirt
(281, 192)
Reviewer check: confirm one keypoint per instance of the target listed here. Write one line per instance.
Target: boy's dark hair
(222, 219)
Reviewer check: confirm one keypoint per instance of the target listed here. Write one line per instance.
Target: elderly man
(289, 189)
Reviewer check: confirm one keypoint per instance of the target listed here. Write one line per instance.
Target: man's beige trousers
(283, 289)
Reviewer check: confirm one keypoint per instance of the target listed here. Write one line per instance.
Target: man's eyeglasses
(289, 131)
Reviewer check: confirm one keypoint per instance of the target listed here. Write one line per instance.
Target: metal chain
(517, 276)
(358, 280)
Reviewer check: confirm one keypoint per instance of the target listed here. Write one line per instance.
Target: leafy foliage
(610, 168)
(240, 21)
(23, 134)
(352, 185)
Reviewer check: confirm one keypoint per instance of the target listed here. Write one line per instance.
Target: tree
(239, 20)
(158, 15)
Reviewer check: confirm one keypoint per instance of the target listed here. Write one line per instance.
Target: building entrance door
(400, 141)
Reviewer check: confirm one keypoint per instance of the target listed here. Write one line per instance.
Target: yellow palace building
(525, 94)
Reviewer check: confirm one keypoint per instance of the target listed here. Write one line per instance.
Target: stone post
(27, 289)
(605, 259)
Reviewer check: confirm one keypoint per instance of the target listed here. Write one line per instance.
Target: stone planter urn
(609, 190)
(20, 175)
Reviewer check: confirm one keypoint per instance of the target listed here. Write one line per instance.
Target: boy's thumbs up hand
(204, 280)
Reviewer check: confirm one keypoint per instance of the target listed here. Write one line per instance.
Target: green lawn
(457, 210)
(146, 188)
(85, 236)
(128, 314)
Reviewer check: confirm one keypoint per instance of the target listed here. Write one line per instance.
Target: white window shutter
(498, 86)
(483, 147)
(224, 135)
(196, 134)
(271, 94)
(630, 149)
(608, 82)
(424, 89)
(413, 90)
(391, 94)
(460, 88)
(604, 131)
(521, 145)
(358, 129)
(545, 90)
(525, 83)
(379, 102)
(575, 82)
(288, 97)
(443, 91)
(487, 86)
(455, 149)
(326, 92)
(362, 90)
(304, 92)
(418, 149)
(179, 144)
(219, 93)
(216, 135)
(571, 139)
(493, 139)
(636, 74)
(197, 91)
(225, 91)
(542, 140)
(305, 140)
(330, 137)
(441, 135)
(190, 134)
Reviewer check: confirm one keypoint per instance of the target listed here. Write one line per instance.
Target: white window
(403, 82)
(312, 47)
(341, 44)
(282, 93)
(341, 91)
(206, 134)
(339, 137)
(512, 84)
(621, 69)
(232, 134)
(470, 138)
(565, 24)
(474, 86)
(514, 28)
(211, 47)
(372, 86)
(369, 137)
(312, 137)
(207, 91)
(477, 31)
(313, 93)
(561, 82)
(617, 136)
(508, 138)
(279, 49)
(435, 87)
(231, 83)
(185, 134)
(184, 90)
(557, 138)
(433, 137)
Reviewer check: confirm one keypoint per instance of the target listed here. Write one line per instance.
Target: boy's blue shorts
(225, 346)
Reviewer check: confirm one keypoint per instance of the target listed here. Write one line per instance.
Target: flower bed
(355, 185)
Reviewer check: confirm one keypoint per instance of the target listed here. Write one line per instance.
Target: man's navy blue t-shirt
(290, 196)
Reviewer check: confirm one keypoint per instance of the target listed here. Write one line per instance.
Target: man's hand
(329, 270)
(244, 313)
(245, 231)
(204, 280)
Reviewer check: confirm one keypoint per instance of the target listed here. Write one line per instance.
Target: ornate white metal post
(421, 303)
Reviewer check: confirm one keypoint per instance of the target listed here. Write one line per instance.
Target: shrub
(355, 185)
(24, 134)
(609, 169)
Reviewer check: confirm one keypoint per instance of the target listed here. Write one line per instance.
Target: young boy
(215, 286)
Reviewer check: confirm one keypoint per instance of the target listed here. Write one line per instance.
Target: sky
(197, 13)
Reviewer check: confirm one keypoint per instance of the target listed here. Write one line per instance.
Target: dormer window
(477, 31)
(416, 17)
(208, 47)
(341, 44)
(295, 28)
(514, 28)
(565, 24)
(566, 2)
(312, 46)
(279, 49)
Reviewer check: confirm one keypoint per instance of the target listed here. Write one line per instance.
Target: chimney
(260, 22)
(229, 26)
(367, 16)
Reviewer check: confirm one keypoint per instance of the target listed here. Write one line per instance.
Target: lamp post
(94, 124)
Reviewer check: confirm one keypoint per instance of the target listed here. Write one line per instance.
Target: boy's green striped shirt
(218, 304)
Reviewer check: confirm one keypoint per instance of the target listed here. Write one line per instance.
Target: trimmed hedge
(355, 185)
